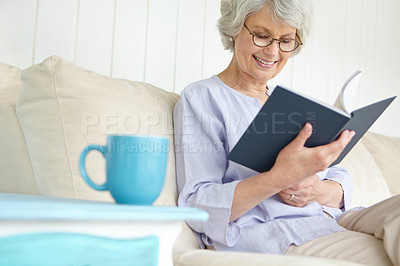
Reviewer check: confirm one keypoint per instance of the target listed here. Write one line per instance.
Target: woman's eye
(286, 41)
(263, 37)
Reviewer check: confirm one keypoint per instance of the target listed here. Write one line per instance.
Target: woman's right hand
(296, 162)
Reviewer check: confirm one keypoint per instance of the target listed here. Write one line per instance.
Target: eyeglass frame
(253, 34)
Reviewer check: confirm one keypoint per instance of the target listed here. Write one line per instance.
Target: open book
(286, 112)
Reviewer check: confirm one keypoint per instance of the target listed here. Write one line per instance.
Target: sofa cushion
(63, 108)
(369, 184)
(16, 175)
(386, 152)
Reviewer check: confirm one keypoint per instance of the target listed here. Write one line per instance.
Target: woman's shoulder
(203, 88)
(205, 96)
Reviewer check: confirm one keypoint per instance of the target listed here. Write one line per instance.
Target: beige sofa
(57, 108)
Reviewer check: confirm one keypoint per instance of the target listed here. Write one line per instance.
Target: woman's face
(260, 64)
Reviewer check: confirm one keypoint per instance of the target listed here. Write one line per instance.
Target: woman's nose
(273, 48)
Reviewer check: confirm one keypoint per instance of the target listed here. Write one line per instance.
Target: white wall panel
(336, 24)
(367, 49)
(189, 46)
(302, 63)
(171, 43)
(321, 37)
(387, 82)
(395, 65)
(161, 41)
(17, 30)
(95, 35)
(352, 35)
(215, 59)
(55, 29)
(130, 39)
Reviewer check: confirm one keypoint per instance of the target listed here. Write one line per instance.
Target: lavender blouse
(209, 119)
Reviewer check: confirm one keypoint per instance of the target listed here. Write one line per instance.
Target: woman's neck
(242, 83)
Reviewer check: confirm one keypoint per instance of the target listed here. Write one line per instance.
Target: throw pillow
(369, 185)
(63, 108)
(386, 152)
(16, 175)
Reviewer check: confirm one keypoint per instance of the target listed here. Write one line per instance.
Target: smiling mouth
(264, 62)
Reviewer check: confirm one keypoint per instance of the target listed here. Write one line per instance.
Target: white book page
(349, 91)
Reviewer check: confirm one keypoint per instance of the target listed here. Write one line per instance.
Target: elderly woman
(295, 207)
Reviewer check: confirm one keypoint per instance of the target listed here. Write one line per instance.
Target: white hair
(295, 13)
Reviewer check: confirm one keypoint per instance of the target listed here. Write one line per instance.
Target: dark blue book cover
(283, 116)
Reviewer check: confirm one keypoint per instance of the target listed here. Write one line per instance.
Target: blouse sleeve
(343, 177)
(201, 163)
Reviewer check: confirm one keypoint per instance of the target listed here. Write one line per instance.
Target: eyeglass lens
(265, 40)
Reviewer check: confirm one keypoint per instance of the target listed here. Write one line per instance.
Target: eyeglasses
(263, 40)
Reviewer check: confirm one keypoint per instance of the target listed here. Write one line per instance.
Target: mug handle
(82, 168)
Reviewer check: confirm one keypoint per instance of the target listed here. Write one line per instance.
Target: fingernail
(308, 127)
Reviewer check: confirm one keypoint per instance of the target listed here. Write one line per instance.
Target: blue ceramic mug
(135, 167)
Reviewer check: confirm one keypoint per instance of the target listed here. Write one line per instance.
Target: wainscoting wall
(171, 43)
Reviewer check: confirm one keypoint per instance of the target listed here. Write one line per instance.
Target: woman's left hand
(313, 189)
